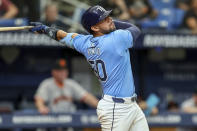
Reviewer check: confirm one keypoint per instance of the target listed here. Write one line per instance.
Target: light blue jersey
(110, 58)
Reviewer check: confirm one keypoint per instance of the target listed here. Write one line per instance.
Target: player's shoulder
(81, 37)
(120, 35)
(70, 81)
(46, 82)
(80, 42)
(120, 32)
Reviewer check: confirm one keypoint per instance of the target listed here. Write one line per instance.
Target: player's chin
(112, 26)
(113, 29)
(109, 31)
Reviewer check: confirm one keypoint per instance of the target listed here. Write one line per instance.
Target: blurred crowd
(169, 15)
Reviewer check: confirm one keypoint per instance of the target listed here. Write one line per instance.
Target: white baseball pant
(117, 116)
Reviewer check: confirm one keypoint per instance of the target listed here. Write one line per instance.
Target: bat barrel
(15, 28)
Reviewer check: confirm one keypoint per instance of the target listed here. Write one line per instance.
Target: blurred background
(163, 60)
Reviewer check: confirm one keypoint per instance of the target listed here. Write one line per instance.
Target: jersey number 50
(98, 66)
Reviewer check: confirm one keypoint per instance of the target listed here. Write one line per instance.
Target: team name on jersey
(92, 50)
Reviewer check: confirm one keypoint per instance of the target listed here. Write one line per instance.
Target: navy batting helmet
(93, 15)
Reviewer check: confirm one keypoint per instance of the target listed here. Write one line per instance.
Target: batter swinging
(107, 51)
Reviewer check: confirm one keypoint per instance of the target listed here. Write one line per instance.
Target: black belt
(121, 100)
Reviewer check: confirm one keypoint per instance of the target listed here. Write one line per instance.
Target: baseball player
(57, 93)
(107, 51)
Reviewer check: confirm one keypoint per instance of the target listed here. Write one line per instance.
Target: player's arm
(41, 97)
(90, 100)
(40, 104)
(135, 31)
(62, 34)
(56, 34)
(11, 10)
(190, 109)
(79, 93)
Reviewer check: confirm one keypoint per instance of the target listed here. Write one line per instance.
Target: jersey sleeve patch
(68, 40)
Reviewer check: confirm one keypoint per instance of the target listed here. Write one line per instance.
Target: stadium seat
(163, 20)
(14, 22)
(158, 4)
(178, 16)
(169, 18)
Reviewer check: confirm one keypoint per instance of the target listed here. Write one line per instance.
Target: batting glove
(38, 27)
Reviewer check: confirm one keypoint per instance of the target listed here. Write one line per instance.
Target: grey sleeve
(42, 91)
(185, 104)
(78, 91)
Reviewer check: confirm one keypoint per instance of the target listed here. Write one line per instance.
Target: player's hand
(38, 27)
(43, 110)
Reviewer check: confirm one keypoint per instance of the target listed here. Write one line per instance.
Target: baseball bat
(15, 28)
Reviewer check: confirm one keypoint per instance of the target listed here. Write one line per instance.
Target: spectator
(190, 105)
(59, 92)
(29, 9)
(183, 4)
(190, 19)
(172, 106)
(135, 9)
(150, 105)
(120, 10)
(143, 106)
(141, 9)
(123, 8)
(51, 17)
(7, 9)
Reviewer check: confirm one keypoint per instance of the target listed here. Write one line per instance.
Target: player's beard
(108, 31)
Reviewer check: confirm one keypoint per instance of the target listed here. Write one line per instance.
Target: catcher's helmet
(93, 15)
